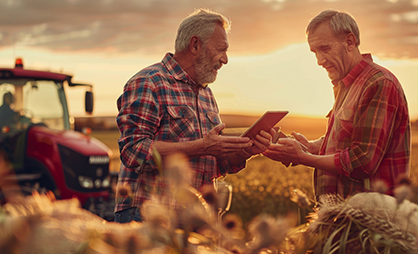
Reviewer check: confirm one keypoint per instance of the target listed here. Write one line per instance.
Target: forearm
(197, 148)
(322, 162)
(189, 148)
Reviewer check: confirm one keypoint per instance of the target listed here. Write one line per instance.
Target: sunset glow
(270, 66)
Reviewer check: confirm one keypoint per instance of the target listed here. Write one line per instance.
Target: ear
(195, 44)
(351, 41)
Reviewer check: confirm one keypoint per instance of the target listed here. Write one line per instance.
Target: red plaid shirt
(162, 103)
(368, 131)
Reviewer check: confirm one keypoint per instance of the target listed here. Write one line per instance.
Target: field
(265, 186)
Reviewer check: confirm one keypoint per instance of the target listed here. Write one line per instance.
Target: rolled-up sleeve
(372, 131)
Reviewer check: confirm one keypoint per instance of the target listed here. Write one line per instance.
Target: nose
(224, 58)
(320, 59)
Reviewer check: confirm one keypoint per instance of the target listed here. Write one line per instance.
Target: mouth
(328, 69)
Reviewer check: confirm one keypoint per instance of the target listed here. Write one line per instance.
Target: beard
(204, 67)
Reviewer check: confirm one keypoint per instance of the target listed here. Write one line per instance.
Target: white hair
(200, 23)
(341, 23)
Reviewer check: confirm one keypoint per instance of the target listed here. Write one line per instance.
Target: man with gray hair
(368, 137)
(169, 107)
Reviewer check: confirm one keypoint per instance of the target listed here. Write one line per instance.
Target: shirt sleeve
(137, 121)
(372, 130)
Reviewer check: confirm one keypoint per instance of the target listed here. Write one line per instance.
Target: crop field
(264, 186)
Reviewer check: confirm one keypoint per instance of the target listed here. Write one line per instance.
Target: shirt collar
(175, 69)
(355, 72)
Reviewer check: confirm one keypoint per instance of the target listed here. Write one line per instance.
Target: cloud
(388, 28)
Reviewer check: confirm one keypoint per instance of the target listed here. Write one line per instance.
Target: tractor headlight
(98, 183)
(106, 182)
(85, 182)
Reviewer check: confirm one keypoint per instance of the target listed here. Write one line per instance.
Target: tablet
(265, 122)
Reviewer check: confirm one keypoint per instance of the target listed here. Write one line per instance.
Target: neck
(357, 58)
(186, 62)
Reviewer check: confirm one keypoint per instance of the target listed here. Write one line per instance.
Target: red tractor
(37, 135)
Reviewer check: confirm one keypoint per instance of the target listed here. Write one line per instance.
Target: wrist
(202, 148)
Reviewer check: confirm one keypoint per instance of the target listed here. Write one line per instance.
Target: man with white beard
(169, 107)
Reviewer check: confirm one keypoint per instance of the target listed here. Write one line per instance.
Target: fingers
(301, 140)
(227, 141)
(293, 143)
(235, 140)
(263, 140)
(274, 134)
(298, 136)
(261, 143)
(218, 128)
(286, 141)
(286, 151)
(276, 152)
(294, 133)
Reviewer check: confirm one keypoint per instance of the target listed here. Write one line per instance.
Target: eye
(325, 48)
(223, 48)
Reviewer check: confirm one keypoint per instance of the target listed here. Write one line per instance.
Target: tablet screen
(267, 121)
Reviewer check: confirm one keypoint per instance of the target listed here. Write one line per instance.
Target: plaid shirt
(368, 131)
(162, 103)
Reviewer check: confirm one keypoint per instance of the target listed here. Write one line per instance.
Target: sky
(105, 42)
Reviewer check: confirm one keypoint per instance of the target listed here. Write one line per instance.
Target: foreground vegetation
(265, 186)
(264, 199)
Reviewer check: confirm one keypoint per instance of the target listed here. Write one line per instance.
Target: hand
(222, 146)
(261, 142)
(286, 151)
(312, 146)
(302, 139)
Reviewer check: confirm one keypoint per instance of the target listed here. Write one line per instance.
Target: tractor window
(41, 103)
